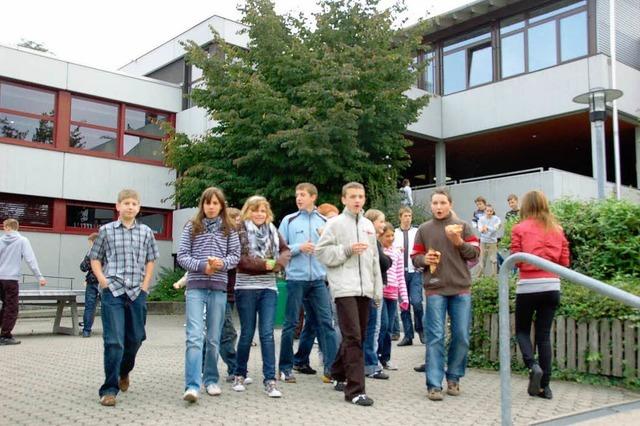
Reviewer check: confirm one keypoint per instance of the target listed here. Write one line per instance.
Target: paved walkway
(54, 380)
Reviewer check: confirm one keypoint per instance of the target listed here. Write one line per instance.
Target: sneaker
(338, 386)
(213, 389)
(108, 400)
(287, 377)
(545, 393)
(238, 384)
(8, 341)
(535, 376)
(419, 369)
(378, 375)
(271, 389)
(395, 337)
(453, 388)
(86, 334)
(326, 379)
(248, 381)
(389, 366)
(123, 383)
(435, 394)
(304, 369)
(362, 400)
(190, 395)
(406, 342)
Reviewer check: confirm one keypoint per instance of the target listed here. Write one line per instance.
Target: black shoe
(379, 375)
(421, 336)
(535, 376)
(338, 386)
(419, 369)
(395, 337)
(545, 393)
(304, 369)
(362, 400)
(406, 342)
(8, 341)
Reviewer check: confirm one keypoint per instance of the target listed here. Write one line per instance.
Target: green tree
(321, 102)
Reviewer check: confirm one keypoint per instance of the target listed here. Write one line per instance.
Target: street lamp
(597, 99)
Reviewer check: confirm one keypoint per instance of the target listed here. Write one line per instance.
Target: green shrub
(390, 205)
(163, 291)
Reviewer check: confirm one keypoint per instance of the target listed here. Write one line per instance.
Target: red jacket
(529, 236)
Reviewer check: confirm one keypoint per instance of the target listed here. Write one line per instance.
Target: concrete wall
(180, 218)
(33, 67)
(554, 183)
(59, 255)
(193, 122)
(55, 174)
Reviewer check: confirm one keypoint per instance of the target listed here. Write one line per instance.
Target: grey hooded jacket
(13, 249)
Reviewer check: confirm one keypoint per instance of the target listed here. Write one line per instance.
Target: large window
(143, 134)
(543, 37)
(26, 113)
(28, 211)
(430, 72)
(467, 61)
(94, 125)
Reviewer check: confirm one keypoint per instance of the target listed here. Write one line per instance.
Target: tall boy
(442, 246)
(404, 238)
(91, 291)
(305, 282)
(13, 249)
(348, 249)
(128, 250)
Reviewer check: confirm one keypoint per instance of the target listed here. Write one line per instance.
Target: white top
(398, 242)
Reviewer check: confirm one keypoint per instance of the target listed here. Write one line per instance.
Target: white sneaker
(213, 389)
(238, 384)
(248, 380)
(390, 366)
(271, 389)
(190, 395)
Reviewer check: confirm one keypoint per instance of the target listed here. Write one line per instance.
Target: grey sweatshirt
(13, 248)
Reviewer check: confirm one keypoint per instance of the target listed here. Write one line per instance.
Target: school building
(502, 75)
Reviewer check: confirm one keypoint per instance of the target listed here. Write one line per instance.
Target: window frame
(468, 50)
(32, 198)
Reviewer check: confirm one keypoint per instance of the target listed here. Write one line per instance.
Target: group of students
(345, 268)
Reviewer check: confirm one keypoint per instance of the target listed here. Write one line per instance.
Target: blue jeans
(91, 296)
(263, 304)
(228, 340)
(395, 328)
(459, 309)
(215, 302)
(371, 364)
(314, 295)
(414, 287)
(123, 322)
(308, 336)
(389, 310)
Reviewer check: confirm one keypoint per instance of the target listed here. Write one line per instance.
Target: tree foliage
(319, 101)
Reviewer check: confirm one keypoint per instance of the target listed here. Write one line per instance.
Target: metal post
(616, 131)
(601, 170)
(505, 337)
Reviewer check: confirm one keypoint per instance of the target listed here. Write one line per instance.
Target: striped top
(193, 256)
(396, 284)
(537, 285)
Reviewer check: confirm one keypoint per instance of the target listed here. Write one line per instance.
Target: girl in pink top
(396, 287)
(538, 291)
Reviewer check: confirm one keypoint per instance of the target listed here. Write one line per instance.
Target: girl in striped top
(395, 288)
(209, 248)
(263, 253)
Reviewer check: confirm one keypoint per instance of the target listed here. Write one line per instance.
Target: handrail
(504, 331)
(505, 174)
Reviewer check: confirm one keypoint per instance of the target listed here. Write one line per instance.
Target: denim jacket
(298, 228)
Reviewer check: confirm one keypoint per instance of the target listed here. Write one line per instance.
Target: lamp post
(597, 99)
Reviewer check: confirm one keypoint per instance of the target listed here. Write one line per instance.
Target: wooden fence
(605, 346)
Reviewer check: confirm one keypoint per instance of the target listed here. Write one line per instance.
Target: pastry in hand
(456, 228)
(434, 266)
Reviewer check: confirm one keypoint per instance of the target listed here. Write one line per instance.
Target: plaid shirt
(124, 254)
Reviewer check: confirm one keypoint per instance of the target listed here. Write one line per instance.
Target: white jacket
(398, 242)
(349, 274)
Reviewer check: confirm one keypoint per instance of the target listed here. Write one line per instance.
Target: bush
(163, 291)
(390, 205)
(604, 236)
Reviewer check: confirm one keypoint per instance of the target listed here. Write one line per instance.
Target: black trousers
(543, 305)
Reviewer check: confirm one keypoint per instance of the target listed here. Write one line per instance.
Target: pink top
(395, 277)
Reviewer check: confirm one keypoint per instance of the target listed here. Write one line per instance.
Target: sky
(109, 34)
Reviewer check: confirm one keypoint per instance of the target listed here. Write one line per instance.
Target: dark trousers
(123, 322)
(353, 314)
(543, 305)
(9, 312)
(91, 297)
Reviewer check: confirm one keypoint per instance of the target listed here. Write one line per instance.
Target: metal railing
(505, 174)
(504, 329)
(52, 282)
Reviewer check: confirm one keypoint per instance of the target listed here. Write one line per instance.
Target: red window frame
(94, 126)
(27, 199)
(50, 118)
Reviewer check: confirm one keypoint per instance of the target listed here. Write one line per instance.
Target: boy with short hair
(488, 225)
(128, 251)
(349, 251)
(91, 291)
(13, 249)
(406, 196)
(305, 284)
(512, 214)
(481, 205)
